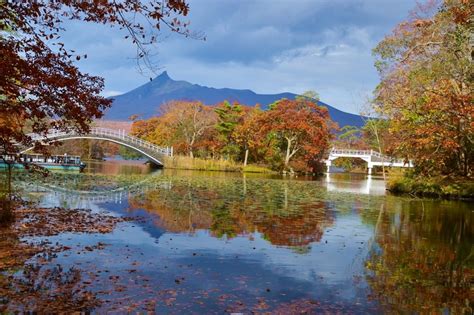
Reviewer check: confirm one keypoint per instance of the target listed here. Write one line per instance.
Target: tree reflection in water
(272, 211)
(423, 260)
(419, 259)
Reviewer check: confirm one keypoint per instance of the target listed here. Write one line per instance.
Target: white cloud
(266, 46)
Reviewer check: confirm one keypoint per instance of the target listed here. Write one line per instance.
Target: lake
(219, 243)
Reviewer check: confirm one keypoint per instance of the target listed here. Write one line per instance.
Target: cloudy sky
(268, 46)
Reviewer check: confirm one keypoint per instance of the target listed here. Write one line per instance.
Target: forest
(291, 135)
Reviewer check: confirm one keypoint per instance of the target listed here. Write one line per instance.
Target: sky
(268, 46)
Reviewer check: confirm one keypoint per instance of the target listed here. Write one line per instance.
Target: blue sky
(268, 46)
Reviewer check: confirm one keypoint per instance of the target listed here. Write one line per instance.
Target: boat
(52, 162)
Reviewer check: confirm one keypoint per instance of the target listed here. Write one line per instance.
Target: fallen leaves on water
(54, 221)
(24, 284)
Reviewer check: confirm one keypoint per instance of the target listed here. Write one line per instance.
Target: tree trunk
(6, 214)
(90, 153)
(9, 180)
(287, 158)
(246, 156)
(191, 145)
(380, 148)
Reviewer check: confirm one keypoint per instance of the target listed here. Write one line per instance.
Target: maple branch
(409, 52)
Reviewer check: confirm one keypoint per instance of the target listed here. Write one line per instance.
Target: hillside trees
(146, 129)
(426, 90)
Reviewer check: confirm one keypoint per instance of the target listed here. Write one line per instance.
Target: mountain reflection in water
(215, 242)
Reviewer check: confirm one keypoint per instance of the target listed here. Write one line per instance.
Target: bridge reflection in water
(59, 195)
(82, 198)
(336, 182)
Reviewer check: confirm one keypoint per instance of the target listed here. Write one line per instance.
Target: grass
(436, 186)
(256, 169)
(187, 163)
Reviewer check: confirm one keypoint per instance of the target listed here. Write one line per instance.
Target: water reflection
(114, 167)
(213, 242)
(355, 183)
(423, 258)
(280, 219)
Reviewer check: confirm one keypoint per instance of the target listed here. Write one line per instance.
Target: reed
(188, 163)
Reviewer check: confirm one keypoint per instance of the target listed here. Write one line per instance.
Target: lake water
(231, 243)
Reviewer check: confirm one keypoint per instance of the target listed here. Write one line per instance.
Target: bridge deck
(373, 158)
(150, 150)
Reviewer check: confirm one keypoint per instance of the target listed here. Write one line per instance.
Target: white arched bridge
(373, 158)
(151, 151)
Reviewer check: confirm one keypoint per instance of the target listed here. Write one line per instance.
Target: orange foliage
(301, 125)
(240, 132)
(182, 125)
(41, 85)
(426, 90)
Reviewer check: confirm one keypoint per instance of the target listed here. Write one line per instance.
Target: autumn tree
(38, 80)
(426, 90)
(40, 86)
(146, 129)
(247, 133)
(190, 120)
(300, 125)
(182, 124)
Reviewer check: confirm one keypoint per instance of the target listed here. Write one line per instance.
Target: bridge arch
(151, 151)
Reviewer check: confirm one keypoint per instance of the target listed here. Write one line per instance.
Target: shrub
(406, 182)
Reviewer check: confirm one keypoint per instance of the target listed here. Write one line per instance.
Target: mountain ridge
(146, 99)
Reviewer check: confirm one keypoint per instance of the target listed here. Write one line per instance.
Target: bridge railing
(356, 152)
(121, 134)
(384, 158)
(108, 133)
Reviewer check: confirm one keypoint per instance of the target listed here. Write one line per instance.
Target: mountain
(146, 99)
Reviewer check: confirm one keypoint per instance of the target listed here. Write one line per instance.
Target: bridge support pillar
(369, 168)
(370, 171)
(328, 166)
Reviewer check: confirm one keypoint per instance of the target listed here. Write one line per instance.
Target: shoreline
(432, 187)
